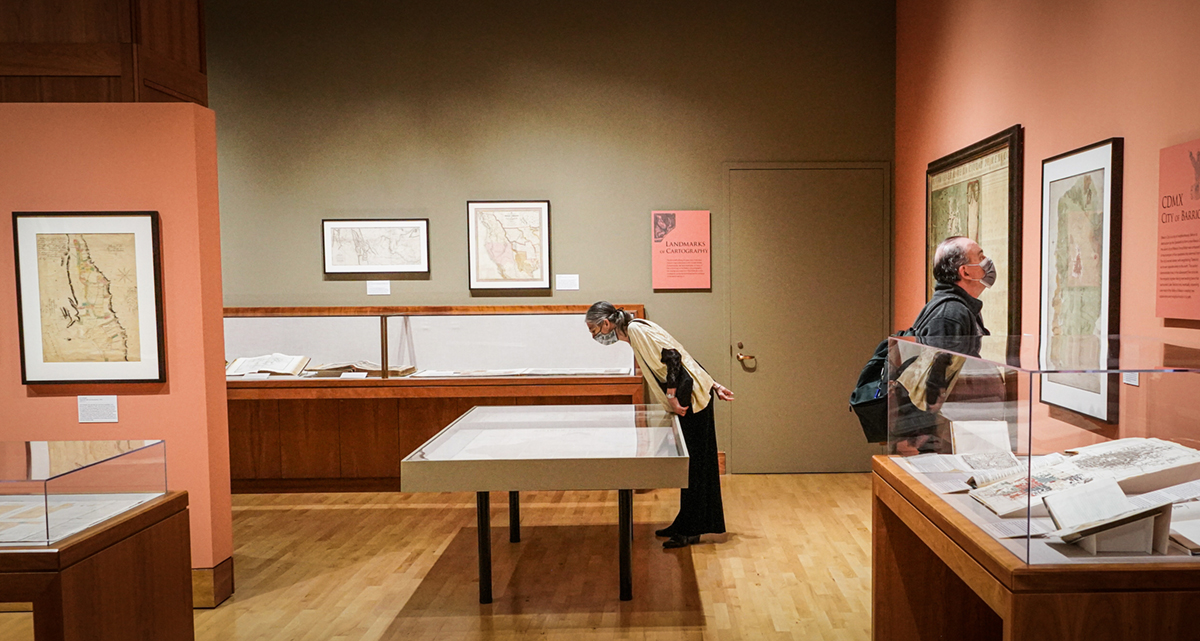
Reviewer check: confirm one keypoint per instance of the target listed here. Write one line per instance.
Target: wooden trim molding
(211, 586)
(60, 59)
(419, 310)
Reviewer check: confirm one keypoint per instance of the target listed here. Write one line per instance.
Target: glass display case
(551, 447)
(427, 342)
(1074, 450)
(50, 490)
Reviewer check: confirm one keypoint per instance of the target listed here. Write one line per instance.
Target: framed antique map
(1081, 277)
(976, 192)
(376, 246)
(89, 297)
(508, 244)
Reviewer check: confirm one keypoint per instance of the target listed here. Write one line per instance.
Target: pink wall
(131, 157)
(1072, 72)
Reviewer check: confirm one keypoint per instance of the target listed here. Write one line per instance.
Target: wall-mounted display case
(325, 432)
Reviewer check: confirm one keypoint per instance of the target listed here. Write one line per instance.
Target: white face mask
(607, 339)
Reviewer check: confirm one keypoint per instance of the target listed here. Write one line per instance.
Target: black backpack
(869, 400)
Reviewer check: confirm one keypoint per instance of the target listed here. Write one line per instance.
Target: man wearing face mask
(682, 386)
(951, 320)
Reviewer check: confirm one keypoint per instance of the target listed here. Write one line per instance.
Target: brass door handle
(744, 357)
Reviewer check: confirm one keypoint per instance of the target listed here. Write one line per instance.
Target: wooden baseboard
(211, 586)
(721, 463)
(284, 486)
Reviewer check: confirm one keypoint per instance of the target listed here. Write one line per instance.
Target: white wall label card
(353, 375)
(97, 409)
(1130, 378)
(564, 282)
(379, 288)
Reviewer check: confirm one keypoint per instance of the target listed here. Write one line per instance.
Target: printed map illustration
(376, 246)
(89, 300)
(1076, 237)
(510, 245)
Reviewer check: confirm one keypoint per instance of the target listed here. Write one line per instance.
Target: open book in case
(1075, 450)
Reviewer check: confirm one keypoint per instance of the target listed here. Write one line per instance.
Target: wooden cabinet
(349, 435)
(126, 578)
(935, 575)
(102, 51)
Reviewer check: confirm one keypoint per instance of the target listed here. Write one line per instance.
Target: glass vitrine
(1068, 450)
(50, 490)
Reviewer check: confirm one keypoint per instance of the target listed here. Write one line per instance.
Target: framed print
(374, 246)
(977, 192)
(1081, 277)
(508, 244)
(89, 297)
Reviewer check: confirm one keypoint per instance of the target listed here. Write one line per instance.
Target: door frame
(885, 253)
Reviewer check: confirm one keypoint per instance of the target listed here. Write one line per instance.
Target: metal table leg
(625, 535)
(514, 517)
(483, 513)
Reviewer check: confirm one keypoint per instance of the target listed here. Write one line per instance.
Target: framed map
(508, 244)
(376, 246)
(1081, 277)
(976, 192)
(89, 297)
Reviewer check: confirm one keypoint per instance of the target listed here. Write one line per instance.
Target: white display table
(551, 447)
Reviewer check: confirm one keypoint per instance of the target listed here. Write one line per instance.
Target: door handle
(744, 357)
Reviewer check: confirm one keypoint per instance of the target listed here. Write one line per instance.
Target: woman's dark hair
(605, 310)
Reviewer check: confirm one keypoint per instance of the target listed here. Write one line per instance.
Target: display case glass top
(1079, 449)
(551, 447)
(50, 490)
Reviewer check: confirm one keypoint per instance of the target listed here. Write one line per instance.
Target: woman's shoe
(680, 541)
(667, 531)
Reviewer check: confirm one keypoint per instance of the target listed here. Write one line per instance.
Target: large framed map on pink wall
(89, 297)
(1081, 277)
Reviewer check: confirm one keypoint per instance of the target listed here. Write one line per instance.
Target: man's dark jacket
(952, 320)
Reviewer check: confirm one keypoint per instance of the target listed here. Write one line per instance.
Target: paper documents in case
(271, 363)
(1138, 465)
(369, 367)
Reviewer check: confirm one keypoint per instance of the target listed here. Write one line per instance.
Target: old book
(271, 364)
(1138, 465)
(370, 367)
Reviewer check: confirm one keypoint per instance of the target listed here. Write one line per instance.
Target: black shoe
(667, 531)
(680, 541)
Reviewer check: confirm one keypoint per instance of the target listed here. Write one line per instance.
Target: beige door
(810, 273)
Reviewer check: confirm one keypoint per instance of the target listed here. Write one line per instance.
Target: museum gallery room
(389, 320)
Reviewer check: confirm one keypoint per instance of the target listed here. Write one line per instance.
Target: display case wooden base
(330, 435)
(126, 578)
(938, 576)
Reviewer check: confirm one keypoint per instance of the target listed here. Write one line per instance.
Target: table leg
(483, 514)
(625, 526)
(514, 517)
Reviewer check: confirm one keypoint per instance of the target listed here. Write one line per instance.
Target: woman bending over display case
(685, 388)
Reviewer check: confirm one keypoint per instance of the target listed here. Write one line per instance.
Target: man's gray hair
(949, 256)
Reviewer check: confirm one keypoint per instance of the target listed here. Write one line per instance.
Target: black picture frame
(418, 270)
(29, 250)
(1064, 350)
(482, 285)
(1008, 257)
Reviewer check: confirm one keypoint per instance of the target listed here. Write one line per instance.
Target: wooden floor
(795, 565)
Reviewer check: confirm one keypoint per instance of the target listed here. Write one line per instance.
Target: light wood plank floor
(795, 565)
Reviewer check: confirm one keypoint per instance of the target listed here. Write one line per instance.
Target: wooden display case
(128, 577)
(937, 575)
(332, 434)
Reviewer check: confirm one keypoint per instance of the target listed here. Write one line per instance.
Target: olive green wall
(607, 109)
